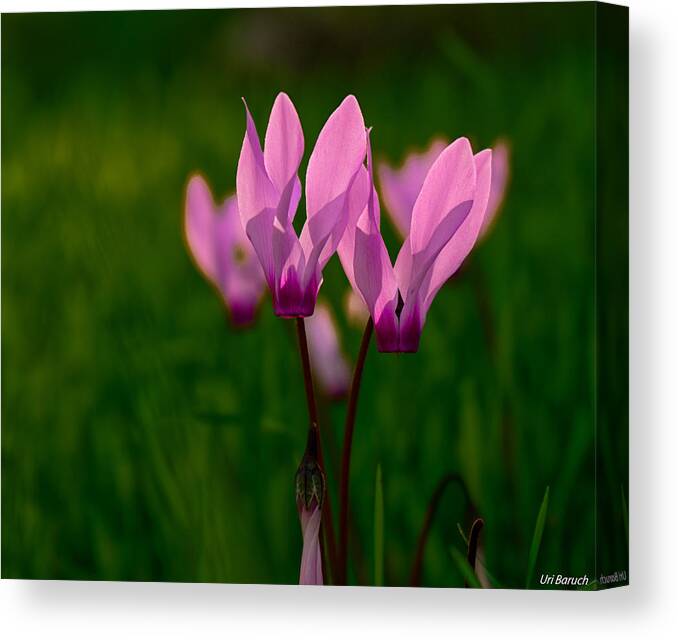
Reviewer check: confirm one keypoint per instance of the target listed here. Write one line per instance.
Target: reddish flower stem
(445, 481)
(308, 378)
(326, 522)
(346, 451)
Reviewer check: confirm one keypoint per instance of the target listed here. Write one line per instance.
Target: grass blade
(536, 538)
(378, 530)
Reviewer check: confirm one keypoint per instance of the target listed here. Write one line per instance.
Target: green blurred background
(144, 439)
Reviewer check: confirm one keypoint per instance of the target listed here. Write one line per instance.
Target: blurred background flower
(222, 251)
(330, 367)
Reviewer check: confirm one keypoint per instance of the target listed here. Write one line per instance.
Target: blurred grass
(536, 538)
(143, 439)
(378, 530)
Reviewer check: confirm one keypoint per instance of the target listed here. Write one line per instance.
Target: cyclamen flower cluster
(343, 213)
(441, 201)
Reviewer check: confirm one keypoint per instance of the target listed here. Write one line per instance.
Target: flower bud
(310, 479)
(310, 490)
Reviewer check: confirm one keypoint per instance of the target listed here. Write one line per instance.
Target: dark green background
(144, 439)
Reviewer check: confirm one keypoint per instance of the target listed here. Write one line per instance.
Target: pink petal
(356, 205)
(412, 269)
(311, 570)
(338, 152)
(500, 176)
(328, 362)
(450, 181)
(332, 168)
(373, 272)
(443, 204)
(455, 252)
(258, 198)
(400, 187)
(284, 143)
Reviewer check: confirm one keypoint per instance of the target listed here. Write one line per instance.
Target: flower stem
(327, 524)
(445, 481)
(308, 378)
(346, 451)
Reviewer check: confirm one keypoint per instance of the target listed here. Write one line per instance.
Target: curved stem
(346, 451)
(445, 481)
(327, 522)
(473, 544)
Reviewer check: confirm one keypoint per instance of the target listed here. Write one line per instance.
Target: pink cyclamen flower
(446, 219)
(327, 359)
(269, 190)
(222, 251)
(400, 187)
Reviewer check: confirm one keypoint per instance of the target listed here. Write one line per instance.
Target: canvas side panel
(612, 295)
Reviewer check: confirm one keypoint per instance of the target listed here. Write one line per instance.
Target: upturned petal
(258, 199)
(337, 155)
(372, 269)
(356, 206)
(400, 187)
(455, 252)
(332, 168)
(376, 281)
(445, 201)
(283, 145)
(450, 182)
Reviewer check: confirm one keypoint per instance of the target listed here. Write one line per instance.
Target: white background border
(649, 607)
